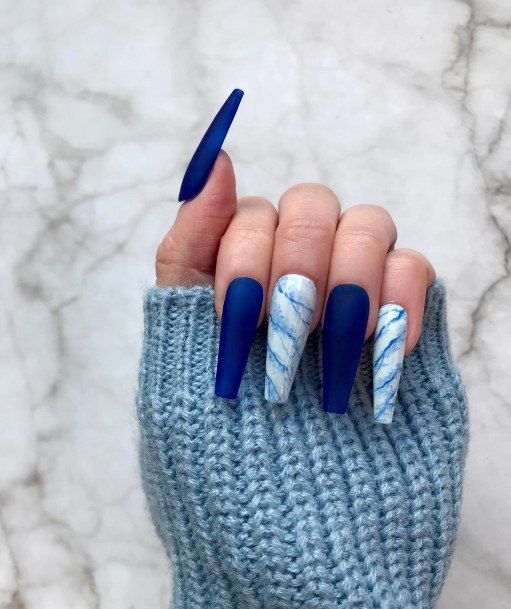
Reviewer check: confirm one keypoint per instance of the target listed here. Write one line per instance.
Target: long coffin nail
(204, 158)
(344, 329)
(240, 315)
(292, 308)
(389, 350)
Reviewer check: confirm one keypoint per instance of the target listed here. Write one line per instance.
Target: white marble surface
(402, 103)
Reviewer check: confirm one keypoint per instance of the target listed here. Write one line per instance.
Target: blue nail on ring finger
(344, 328)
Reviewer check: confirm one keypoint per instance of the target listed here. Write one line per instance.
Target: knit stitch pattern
(286, 506)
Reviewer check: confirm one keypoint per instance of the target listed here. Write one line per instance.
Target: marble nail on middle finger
(291, 312)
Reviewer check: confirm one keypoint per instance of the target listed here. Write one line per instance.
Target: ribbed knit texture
(286, 506)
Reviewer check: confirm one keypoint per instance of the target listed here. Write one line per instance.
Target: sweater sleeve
(283, 506)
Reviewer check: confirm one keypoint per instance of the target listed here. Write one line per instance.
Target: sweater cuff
(256, 504)
(181, 335)
(182, 332)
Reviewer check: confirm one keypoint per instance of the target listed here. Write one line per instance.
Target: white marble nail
(389, 349)
(292, 308)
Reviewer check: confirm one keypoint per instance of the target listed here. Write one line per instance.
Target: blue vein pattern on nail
(389, 348)
(291, 312)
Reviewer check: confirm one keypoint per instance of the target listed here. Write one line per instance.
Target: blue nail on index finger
(204, 158)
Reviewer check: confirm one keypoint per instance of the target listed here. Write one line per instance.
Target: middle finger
(308, 217)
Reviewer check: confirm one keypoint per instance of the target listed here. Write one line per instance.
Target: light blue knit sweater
(284, 507)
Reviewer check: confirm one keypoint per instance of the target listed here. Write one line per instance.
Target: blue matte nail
(199, 168)
(344, 328)
(240, 315)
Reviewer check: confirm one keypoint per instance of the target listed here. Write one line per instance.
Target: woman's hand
(263, 505)
(217, 239)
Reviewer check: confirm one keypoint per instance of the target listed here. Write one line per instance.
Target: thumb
(187, 254)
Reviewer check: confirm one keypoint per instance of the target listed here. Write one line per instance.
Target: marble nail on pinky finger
(389, 349)
(291, 312)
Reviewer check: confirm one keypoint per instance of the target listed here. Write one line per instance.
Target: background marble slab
(402, 103)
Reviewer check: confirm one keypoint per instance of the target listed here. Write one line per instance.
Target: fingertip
(223, 170)
(406, 278)
(221, 182)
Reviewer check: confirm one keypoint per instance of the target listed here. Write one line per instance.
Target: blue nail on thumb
(199, 168)
(240, 315)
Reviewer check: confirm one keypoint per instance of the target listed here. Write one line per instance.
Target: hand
(217, 239)
(289, 506)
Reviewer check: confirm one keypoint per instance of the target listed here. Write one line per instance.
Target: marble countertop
(405, 104)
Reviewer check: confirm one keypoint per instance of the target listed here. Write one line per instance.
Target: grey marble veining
(406, 104)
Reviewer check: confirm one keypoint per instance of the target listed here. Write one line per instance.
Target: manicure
(291, 312)
(389, 350)
(344, 328)
(240, 314)
(204, 158)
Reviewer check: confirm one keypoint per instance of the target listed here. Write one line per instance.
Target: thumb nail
(204, 157)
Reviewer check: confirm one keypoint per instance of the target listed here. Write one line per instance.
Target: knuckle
(255, 211)
(375, 218)
(308, 190)
(244, 232)
(167, 249)
(242, 240)
(358, 236)
(259, 203)
(307, 228)
(407, 261)
(371, 208)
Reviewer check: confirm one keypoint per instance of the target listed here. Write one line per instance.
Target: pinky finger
(406, 278)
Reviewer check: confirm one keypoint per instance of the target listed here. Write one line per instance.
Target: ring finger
(363, 238)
